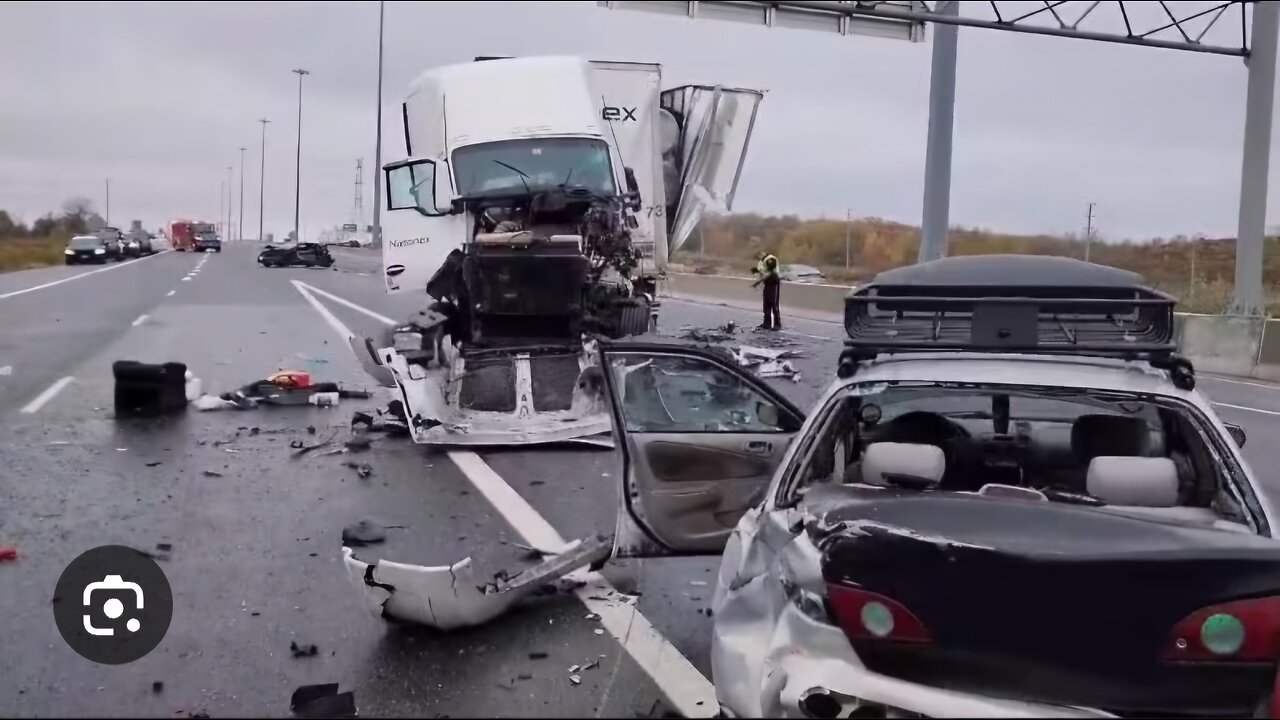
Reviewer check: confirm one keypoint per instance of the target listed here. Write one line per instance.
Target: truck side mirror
(1237, 434)
(634, 200)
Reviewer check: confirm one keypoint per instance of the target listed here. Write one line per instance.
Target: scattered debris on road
(323, 701)
(286, 387)
(364, 532)
(768, 357)
(301, 651)
(145, 390)
(449, 597)
(211, 473)
(363, 470)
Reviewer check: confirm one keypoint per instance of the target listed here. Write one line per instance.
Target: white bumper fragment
(447, 597)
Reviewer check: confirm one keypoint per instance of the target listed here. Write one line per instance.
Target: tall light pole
(106, 220)
(262, 177)
(240, 230)
(227, 234)
(222, 194)
(377, 151)
(297, 181)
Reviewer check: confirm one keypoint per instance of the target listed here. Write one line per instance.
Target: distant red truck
(183, 233)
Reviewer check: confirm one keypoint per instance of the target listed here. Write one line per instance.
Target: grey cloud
(158, 96)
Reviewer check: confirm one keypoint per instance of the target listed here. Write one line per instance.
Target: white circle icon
(113, 608)
(133, 625)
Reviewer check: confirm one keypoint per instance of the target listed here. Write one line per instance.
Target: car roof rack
(1035, 304)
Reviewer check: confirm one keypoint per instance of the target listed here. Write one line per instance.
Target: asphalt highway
(255, 534)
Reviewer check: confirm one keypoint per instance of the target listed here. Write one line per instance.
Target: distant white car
(802, 274)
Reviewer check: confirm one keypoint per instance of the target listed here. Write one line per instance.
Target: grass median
(27, 253)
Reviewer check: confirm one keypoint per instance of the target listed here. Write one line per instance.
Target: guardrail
(1226, 344)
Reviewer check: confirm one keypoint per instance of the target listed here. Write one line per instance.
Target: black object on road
(149, 390)
(365, 532)
(323, 701)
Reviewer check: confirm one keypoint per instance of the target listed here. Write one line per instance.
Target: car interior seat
(1150, 482)
(881, 458)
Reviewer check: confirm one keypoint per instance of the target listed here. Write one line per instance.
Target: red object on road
(182, 235)
(8, 552)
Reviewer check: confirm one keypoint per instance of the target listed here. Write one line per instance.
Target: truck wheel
(634, 319)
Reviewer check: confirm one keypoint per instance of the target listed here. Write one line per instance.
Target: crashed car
(304, 254)
(1011, 502)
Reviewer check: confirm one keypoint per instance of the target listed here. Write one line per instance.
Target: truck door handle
(758, 447)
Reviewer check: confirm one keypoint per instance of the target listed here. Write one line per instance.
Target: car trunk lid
(1044, 601)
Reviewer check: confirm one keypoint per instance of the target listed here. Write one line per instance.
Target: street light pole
(222, 192)
(297, 187)
(240, 230)
(377, 151)
(107, 210)
(227, 234)
(262, 178)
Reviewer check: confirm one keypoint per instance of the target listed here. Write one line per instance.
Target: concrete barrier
(1226, 344)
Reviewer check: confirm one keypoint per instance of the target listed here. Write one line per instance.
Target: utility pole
(1088, 232)
(377, 152)
(848, 232)
(240, 229)
(262, 178)
(107, 210)
(297, 187)
(222, 192)
(937, 156)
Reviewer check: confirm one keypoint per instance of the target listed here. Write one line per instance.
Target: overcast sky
(159, 96)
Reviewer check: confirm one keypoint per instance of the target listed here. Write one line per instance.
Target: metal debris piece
(323, 701)
(575, 679)
(365, 532)
(300, 651)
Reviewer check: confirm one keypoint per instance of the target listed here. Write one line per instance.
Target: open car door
(701, 169)
(699, 440)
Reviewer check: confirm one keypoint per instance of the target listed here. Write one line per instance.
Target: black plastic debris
(359, 443)
(365, 532)
(153, 464)
(164, 547)
(301, 651)
(211, 473)
(157, 687)
(538, 656)
(361, 420)
(148, 389)
(311, 429)
(363, 470)
(323, 701)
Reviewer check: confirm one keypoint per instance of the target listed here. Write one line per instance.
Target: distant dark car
(305, 254)
(92, 249)
(208, 241)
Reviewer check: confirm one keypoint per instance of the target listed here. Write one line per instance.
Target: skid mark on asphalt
(683, 686)
(49, 393)
(81, 275)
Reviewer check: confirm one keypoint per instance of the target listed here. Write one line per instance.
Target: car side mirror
(1237, 434)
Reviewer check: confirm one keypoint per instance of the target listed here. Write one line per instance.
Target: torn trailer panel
(1053, 603)
(448, 597)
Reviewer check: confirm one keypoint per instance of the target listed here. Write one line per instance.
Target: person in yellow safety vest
(766, 270)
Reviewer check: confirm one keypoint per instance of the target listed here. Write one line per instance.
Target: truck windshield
(518, 166)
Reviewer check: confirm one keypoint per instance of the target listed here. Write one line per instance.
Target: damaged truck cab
(538, 204)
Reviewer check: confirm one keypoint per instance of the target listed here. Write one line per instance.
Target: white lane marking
(6, 370)
(78, 276)
(691, 694)
(1246, 408)
(141, 319)
(186, 279)
(329, 317)
(683, 686)
(170, 293)
(1216, 378)
(343, 301)
(43, 398)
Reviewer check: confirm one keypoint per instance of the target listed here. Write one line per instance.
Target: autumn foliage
(1200, 271)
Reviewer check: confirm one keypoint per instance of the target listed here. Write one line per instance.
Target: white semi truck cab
(537, 205)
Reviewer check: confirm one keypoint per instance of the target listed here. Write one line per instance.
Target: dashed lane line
(49, 393)
(684, 687)
(170, 293)
(80, 275)
(141, 319)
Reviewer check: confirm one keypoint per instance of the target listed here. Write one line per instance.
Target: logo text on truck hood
(610, 112)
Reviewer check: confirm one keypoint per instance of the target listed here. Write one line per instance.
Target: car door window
(674, 394)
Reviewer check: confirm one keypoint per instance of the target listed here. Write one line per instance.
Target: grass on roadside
(28, 253)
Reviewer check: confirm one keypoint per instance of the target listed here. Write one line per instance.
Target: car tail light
(865, 615)
(1236, 631)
